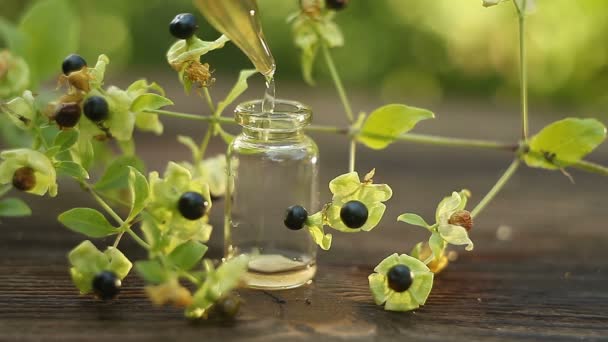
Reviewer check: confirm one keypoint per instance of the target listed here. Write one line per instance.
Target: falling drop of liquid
(269, 95)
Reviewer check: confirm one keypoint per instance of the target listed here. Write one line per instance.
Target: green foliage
(564, 143)
(147, 102)
(386, 123)
(239, 88)
(151, 270)
(72, 169)
(87, 261)
(140, 192)
(89, 222)
(14, 207)
(66, 139)
(42, 47)
(187, 255)
(116, 175)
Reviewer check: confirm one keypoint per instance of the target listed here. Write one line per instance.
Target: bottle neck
(272, 135)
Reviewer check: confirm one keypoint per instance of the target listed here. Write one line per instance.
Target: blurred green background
(399, 49)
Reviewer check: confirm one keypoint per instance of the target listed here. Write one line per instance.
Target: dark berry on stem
(336, 4)
(24, 179)
(228, 306)
(192, 205)
(106, 285)
(68, 115)
(354, 214)
(96, 108)
(183, 26)
(295, 217)
(73, 63)
(400, 278)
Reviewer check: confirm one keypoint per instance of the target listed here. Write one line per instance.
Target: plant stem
(590, 167)
(454, 142)
(204, 118)
(137, 239)
(209, 100)
(497, 187)
(409, 137)
(117, 241)
(105, 206)
(523, 69)
(337, 81)
(352, 155)
(205, 143)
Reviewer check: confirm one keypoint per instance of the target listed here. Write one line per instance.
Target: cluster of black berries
(354, 214)
(95, 108)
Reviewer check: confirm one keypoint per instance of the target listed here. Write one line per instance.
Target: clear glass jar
(271, 165)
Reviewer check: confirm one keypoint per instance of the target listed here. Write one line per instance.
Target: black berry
(400, 278)
(183, 26)
(228, 306)
(73, 63)
(96, 108)
(192, 205)
(354, 214)
(336, 4)
(24, 179)
(106, 285)
(295, 217)
(68, 115)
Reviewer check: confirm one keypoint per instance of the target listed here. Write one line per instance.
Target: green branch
(337, 81)
(590, 167)
(523, 71)
(408, 137)
(497, 187)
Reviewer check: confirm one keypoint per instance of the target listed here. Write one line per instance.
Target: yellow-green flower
(21, 110)
(211, 171)
(163, 206)
(28, 170)
(449, 211)
(347, 188)
(87, 261)
(218, 283)
(14, 74)
(419, 283)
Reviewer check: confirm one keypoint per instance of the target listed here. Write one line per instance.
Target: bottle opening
(287, 116)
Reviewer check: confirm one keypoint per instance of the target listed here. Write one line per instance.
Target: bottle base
(266, 272)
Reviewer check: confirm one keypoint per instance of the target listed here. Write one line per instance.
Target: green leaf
(150, 101)
(456, 235)
(564, 142)
(306, 38)
(413, 219)
(89, 222)
(66, 139)
(14, 207)
(152, 271)
(116, 175)
(386, 123)
(437, 245)
(71, 169)
(119, 263)
(239, 87)
(43, 48)
(187, 255)
(140, 192)
(11, 36)
(189, 142)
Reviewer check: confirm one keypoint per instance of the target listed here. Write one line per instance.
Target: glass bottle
(271, 165)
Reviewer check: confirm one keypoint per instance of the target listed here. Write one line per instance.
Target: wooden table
(549, 281)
